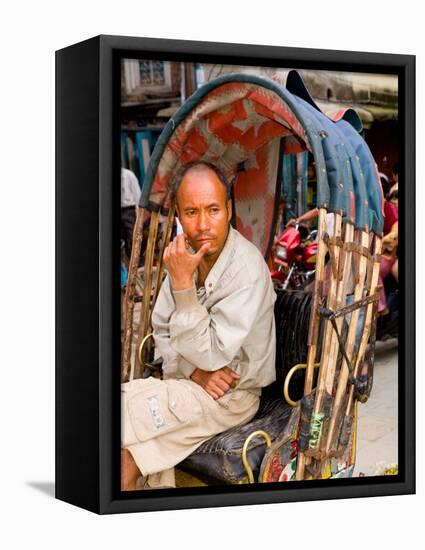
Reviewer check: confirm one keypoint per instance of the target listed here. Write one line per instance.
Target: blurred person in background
(130, 197)
(389, 260)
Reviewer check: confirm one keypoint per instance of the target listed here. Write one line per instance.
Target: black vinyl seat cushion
(220, 458)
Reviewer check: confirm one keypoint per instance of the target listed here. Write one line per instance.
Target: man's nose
(203, 224)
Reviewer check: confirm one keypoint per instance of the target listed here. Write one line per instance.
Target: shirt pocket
(162, 409)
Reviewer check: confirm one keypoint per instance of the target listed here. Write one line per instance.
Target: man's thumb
(204, 248)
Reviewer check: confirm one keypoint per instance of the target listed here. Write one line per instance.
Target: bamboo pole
(340, 302)
(373, 283)
(314, 322)
(147, 286)
(318, 431)
(317, 417)
(165, 240)
(130, 291)
(317, 298)
(350, 343)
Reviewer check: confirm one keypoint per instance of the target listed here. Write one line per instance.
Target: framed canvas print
(235, 289)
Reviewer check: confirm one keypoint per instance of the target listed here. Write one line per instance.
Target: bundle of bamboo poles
(153, 273)
(329, 408)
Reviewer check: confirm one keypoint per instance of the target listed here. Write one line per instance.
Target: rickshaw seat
(220, 458)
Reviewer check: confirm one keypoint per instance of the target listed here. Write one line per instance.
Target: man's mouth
(205, 239)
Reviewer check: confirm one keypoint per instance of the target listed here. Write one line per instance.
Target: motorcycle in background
(294, 258)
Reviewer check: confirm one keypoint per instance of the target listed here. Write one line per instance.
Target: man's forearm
(181, 283)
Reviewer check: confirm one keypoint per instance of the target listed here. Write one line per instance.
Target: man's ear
(229, 210)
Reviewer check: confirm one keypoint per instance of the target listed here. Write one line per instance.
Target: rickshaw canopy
(245, 124)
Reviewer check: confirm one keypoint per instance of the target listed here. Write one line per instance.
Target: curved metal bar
(245, 449)
(288, 377)
(140, 354)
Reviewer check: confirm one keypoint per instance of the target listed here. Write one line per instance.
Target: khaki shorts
(164, 421)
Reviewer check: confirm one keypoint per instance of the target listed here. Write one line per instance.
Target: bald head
(201, 168)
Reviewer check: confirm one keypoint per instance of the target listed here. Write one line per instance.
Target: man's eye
(214, 210)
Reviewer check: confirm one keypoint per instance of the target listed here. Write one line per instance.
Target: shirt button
(210, 285)
(172, 404)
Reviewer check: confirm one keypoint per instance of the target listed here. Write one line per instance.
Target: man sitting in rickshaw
(213, 325)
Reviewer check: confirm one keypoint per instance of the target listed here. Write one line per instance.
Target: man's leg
(130, 474)
(129, 471)
(164, 421)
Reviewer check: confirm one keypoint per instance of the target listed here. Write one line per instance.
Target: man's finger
(186, 240)
(231, 372)
(227, 378)
(204, 248)
(210, 392)
(165, 255)
(232, 382)
(180, 244)
(216, 389)
(222, 384)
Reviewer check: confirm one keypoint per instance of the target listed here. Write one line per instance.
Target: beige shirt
(227, 322)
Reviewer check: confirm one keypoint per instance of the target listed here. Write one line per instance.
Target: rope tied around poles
(331, 243)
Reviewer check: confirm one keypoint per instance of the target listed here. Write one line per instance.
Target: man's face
(203, 210)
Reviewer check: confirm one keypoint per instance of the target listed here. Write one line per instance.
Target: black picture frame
(87, 308)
